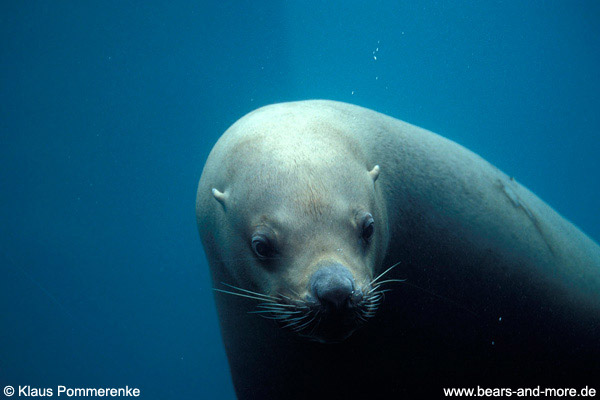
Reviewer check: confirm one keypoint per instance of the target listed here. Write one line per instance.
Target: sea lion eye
(368, 228)
(261, 246)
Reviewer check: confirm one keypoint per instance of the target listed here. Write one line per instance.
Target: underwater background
(109, 109)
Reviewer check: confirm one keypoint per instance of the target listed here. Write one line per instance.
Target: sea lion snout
(333, 286)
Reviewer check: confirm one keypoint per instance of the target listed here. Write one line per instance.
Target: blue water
(108, 111)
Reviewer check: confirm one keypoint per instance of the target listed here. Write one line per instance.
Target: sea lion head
(297, 222)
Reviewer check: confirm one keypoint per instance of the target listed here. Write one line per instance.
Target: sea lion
(392, 261)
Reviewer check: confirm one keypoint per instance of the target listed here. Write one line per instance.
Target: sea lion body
(498, 290)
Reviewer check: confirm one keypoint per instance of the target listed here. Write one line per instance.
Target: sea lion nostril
(332, 285)
(335, 294)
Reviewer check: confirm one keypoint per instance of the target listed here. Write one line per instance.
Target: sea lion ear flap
(375, 173)
(220, 196)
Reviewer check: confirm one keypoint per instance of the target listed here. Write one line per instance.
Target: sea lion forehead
(307, 190)
(294, 128)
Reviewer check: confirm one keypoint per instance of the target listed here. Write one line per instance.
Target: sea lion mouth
(336, 325)
(324, 322)
(325, 319)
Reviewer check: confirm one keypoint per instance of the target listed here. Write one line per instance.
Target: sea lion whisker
(295, 321)
(370, 297)
(372, 303)
(284, 318)
(293, 302)
(266, 317)
(369, 311)
(249, 291)
(281, 312)
(380, 293)
(373, 289)
(274, 304)
(272, 317)
(390, 280)
(374, 297)
(304, 325)
(372, 308)
(302, 321)
(376, 287)
(376, 293)
(240, 294)
(283, 296)
(272, 310)
(298, 319)
(385, 272)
